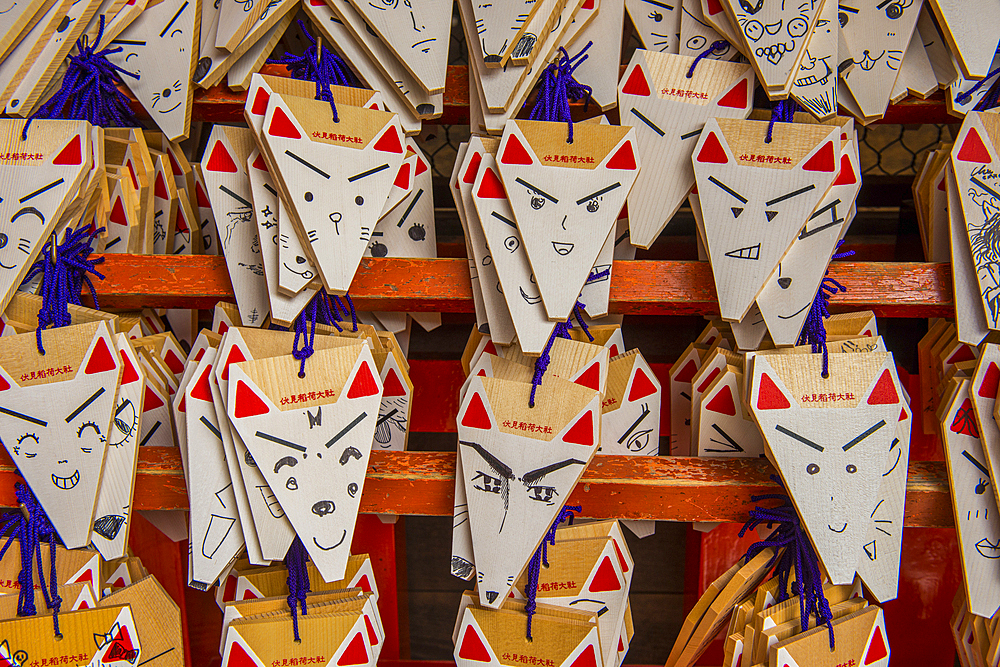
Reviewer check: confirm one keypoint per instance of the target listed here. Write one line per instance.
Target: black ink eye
(542, 494)
(812, 468)
(537, 203)
(511, 243)
(894, 11)
(308, 196)
(86, 425)
(287, 461)
(842, 17)
(291, 484)
(3, 240)
(593, 205)
(352, 489)
(323, 507)
(359, 200)
(489, 484)
(638, 441)
(349, 453)
(248, 459)
(852, 468)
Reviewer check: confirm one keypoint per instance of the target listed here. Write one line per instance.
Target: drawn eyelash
(93, 425)
(26, 436)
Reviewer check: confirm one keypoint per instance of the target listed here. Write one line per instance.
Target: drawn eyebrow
(235, 196)
(864, 435)
(806, 234)
(387, 415)
(409, 208)
(346, 429)
(211, 427)
(778, 200)
(728, 189)
(622, 237)
(645, 412)
(535, 475)
(882, 4)
(150, 434)
(985, 187)
(598, 193)
(130, 42)
(503, 219)
(792, 434)
(40, 190)
(308, 164)
(83, 406)
(179, 12)
(660, 4)
(279, 441)
(693, 133)
(271, 190)
(287, 461)
(848, 9)
(648, 122)
(363, 174)
(718, 429)
(26, 418)
(498, 466)
(976, 463)
(532, 187)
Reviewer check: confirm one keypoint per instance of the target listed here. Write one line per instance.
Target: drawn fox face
(565, 213)
(775, 32)
(313, 458)
(830, 458)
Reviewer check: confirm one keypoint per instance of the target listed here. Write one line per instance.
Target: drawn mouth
(775, 52)
(987, 549)
(342, 538)
(812, 79)
(532, 300)
(305, 274)
(899, 455)
(750, 252)
(835, 530)
(788, 317)
(67, 483)
(562, 248)
(4, 266)
(173, 107)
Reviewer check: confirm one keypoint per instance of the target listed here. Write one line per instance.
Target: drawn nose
(166, 92)
(491, 596)
(323, 507)
(784, 282)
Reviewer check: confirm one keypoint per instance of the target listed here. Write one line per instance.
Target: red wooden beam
(666, 488)
(646, 287)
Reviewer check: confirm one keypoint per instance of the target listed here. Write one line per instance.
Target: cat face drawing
(775, 32)
(313, 457)
(565, 199)
(831, 458)
(55, 422)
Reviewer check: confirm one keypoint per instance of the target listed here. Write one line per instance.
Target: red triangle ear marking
(403, 177)
(714, 7)
(737, 96)
(514, 152)
(229, 592)
(100, 359)
(392, 385)
(965, 421)
(238, 657)
(151, 401)
(364, 584)
(902, 414)
(476, 415)
(491, 187)
(988, 389)
(686, 374)
(259, 107)
(723, 402)
(174, 167)
(421, 167)
(614, 351)
(624, 158)
(963, 353)
(470, 173)
(973, 149)
(481, 373)
(235, 356)
(182, 225)
(389, 141)
(642, 386)
(606, 578)
(202, 390)
(259, 163)
(199, 195)
(356, 652)
(71, 154)
(249, 595)
(221, 160)
(248, 403)
(769, 397)
(223, 328)
(473, 647)
(364, 383)
(636, 83)
(88, 575)
(131, 173)
(621, 558)
(884, 392)
(588, 4)
(129, 374)
(282, 126)
(707, 381)
(372, 637)
(118, 213)
(877, 649)
(173, 362)
(712, 151)
(181, 407)
(490, 348)
(582, 432)
(822, 160)
(586, 659)
(846, 176)
(160, 189)
(591, 378)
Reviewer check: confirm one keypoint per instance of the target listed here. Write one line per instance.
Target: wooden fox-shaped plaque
(959, 21)
(336, 187)
(57, 410)
(829, 439)
(861, 639)
(788, 294)
(970, 315)
(815, 84)
(104, 636)
(630, 422)
(756, 196)
(985, 384)
(224, 167)
(973, 501)
(658, 25)
(43, 175)
(541, 452)
(331, 411)
(565, 198)
(725, 430)
(668, 111)
(161, 47)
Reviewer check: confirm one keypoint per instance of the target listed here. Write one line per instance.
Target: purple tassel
(783, 112)
(814, 329)
(541, 557)
(298, 582)
(557, 87)
(716, 46)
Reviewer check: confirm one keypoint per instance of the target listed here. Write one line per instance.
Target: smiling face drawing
(775, 31)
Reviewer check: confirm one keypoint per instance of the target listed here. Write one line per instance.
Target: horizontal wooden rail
(666, 488)
(638, 287)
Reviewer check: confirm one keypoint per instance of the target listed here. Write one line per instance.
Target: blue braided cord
(814, 328)
(716, 46)
(557, 87)
(783, 112)
(540, 557)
